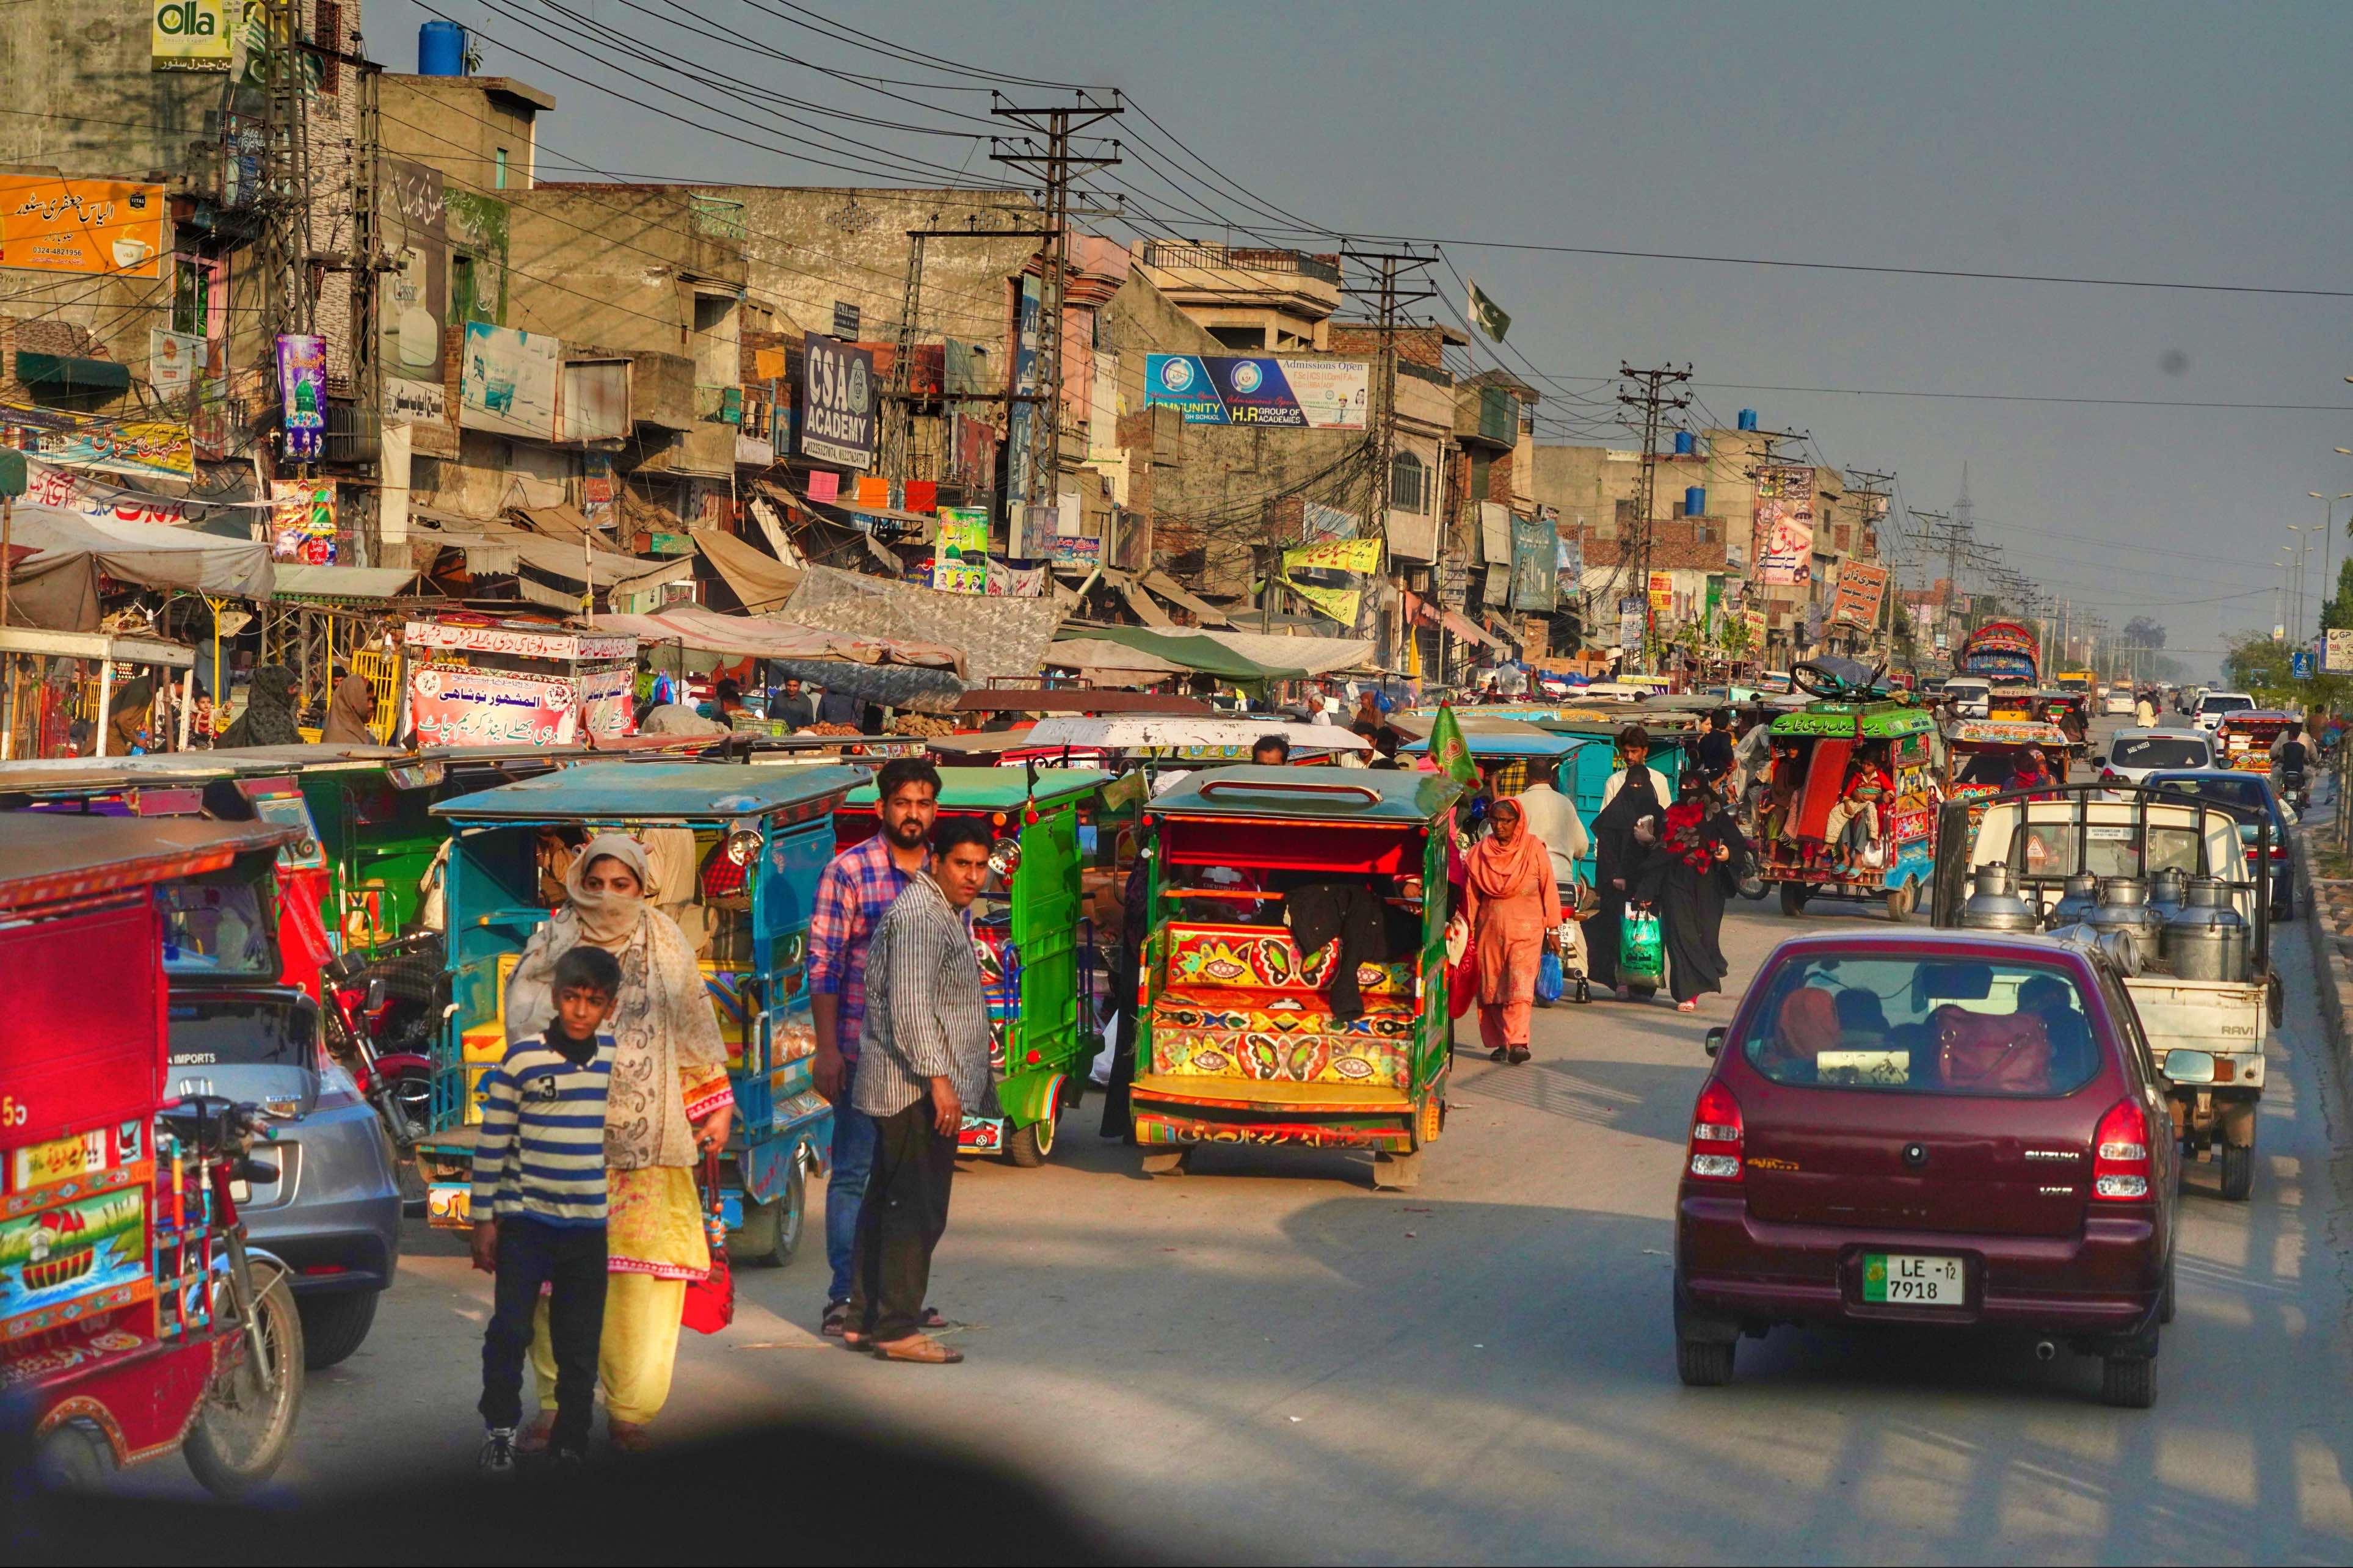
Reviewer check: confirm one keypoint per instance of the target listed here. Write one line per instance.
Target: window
(189, 294)
(1925, 1026)
(217, 930)
(1482, 464)
(2161, 751)
(1409, 484)
(499, 170)
(1250, 338)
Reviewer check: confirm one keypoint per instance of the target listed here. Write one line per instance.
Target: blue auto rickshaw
(762, 835)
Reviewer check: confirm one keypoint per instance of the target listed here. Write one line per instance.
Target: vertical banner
(416, 301)
(960, 554)
(838, 402)
(1536, 558)
(1663, 594)
(1629, 623)
(1785, 526)
(1861, 587)
(303, 393)
(175, 362)
(303, 522)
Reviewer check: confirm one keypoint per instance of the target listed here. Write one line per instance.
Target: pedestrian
(2145, 711)
(667, 1104)
(1714, 752)
(1271, 751)
(1126, 972)
(348, 712)
(854, 892)
(1634, 794)
(924, 1047)
(1369, 719)
(126, 717)
(1385, 749)
(269, 717)
(835, 706)
(1687, 875)
(539, 1206)
(792, 705)
(1511, 903)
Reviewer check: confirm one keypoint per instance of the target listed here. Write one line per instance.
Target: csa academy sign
(838, 402)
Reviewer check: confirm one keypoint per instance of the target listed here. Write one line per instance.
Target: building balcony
(1302, 288)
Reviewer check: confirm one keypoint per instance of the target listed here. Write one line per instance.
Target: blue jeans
(845, 1184)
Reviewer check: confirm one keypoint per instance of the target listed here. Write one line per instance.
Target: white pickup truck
(2207, 1036)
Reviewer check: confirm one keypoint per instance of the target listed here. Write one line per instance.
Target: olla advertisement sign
(192, 36)
(1302, 393)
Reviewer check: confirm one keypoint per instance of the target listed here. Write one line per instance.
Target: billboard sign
(1785, 526)
(1301, 393)
(416, 301)
(107, 228)
(508, 386)
(1861, 587)
(2336, 651)
(192, 36)
(838, 402)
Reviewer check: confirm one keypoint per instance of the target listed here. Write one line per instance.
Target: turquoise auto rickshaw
(762, 835)
(1037, 953)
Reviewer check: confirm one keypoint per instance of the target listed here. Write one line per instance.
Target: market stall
(478, 682)
(57, 688)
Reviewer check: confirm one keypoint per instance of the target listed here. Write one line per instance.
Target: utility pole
(899, 419)
(1054, 161)
(1394, 282)
(1654, 401)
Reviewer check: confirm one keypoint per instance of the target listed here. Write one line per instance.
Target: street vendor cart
(1247, 1035)
(1037, 956)
(476, 680)
(135, 1321)
(761, 838)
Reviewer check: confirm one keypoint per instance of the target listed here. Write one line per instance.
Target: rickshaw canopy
(999, 789)
(657, 792)
(1370, 796)
(44, 857)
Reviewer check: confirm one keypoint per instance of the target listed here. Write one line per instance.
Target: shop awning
(1463, 626)
(1315, 655)
(1001, 638)
(547, 572)
(65, 372)
(373, 583)
(1198, 652)
(768, 636)
(1158, 582)
(759, 579)
(148, 554)
(1107, 663)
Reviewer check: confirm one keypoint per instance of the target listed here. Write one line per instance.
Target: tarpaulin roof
(759, 579)
(1100, 660)
(298, 581)
(774, 637)
(1462, 626)
(146, 553)
(1000, 637)
(1197, 651)
(503, 542)
(1315, 655)
(562, 523)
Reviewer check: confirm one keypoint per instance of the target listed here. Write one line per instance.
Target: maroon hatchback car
(1955, 1129)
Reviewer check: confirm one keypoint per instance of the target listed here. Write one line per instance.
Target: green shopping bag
(1641, 952)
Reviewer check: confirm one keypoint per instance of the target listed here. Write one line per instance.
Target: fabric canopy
(1462, 626)
(1107, 663)
(759, 579)
(1128, 732)
(1315, 655)
(1001, 638)
(1195, 651)
(298, 581)
(1169, 588)
(146, 553)
(60, 594)
(489, 544)
(769, 637)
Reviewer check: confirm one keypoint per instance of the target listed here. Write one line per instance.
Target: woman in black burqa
(1686, 875)
(269, 718)
(1630, 796)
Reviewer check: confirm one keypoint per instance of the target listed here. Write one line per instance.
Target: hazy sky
(2188, 143)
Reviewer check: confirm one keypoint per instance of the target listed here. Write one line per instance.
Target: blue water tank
(1682, 443)
(1695, 501)
(440, 50)
(1748, 419)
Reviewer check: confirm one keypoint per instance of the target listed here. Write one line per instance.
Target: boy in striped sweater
(539, 1206)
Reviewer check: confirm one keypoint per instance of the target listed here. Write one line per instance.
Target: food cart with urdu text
(476, 680)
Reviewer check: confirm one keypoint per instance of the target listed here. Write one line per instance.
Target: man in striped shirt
(539, 1206)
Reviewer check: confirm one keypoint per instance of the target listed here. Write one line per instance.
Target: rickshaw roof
(1368, 796)
(999, 789)
(2260, 716)
(1512, 738)
(1879, 721)
(656, 792)
(45, 856)
(2007, 732)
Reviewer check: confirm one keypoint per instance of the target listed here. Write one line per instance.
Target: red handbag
(1463, 983)
(709, 1303)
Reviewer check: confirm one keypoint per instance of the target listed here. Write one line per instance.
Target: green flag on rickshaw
(1449, 751)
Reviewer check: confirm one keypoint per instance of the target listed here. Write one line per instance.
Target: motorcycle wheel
(242, 1433)
(1753, 888)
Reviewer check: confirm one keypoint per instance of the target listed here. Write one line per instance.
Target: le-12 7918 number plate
(1912, 1279)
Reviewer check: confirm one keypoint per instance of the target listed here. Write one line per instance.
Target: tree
(2339, 610)
(2260, 667)
(2142, 631)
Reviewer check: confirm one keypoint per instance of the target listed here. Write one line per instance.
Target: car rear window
(2225, 704)
(2161, 751)
(217, 930)
(1906, 1025)
(242, 1034)
(2246, 799)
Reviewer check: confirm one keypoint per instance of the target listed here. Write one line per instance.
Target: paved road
(1267, 1359)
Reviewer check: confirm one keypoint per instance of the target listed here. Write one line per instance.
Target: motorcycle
(377, 1032)
(2295, 787)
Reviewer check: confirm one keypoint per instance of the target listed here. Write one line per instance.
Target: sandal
(1519, 1054)
(921, 1349)
(931, 1318)
(628, 1436)
(857, 1339)
(836, 1319)
(1687, 1006)
(1498, 1054)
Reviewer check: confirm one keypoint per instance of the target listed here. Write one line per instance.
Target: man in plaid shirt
(856, 889)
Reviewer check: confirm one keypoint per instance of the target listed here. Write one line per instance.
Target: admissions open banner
(1304, 393)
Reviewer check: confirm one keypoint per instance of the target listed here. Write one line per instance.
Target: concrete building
(1250, 300)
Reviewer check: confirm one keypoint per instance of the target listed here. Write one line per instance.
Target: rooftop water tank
(1682, 443)
(1695, 501)
(440, 50)
(1748, 419)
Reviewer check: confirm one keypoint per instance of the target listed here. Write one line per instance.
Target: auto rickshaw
(2070, 709)
(1038, 961)
(2243, 741)
(1792, 847)
(1244, 1037)
(134, 1320)
(1980, 755)
(762, 835)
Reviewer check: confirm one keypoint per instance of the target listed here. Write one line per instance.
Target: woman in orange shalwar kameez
(1511, 903)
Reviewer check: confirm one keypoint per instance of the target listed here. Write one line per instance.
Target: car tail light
(1716, 1135)
(2110, 775)
(2120, 1166)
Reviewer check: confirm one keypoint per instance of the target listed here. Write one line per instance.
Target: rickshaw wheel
(1901, 901)
(771, 1232)
(1032, 1146)
(1793, 898)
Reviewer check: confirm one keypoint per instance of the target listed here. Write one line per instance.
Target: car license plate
(1910, 1279)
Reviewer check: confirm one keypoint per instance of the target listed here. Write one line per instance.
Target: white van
(1971, 696)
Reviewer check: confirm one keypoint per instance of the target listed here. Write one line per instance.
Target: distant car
(1970, 697)
(2249, 797)
(1953, 1130)
(333, 1214)
(2212, 706)
(2134, 754)
(2118, 701)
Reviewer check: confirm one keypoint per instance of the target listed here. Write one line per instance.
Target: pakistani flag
(1449, 750)
(1486, 315)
